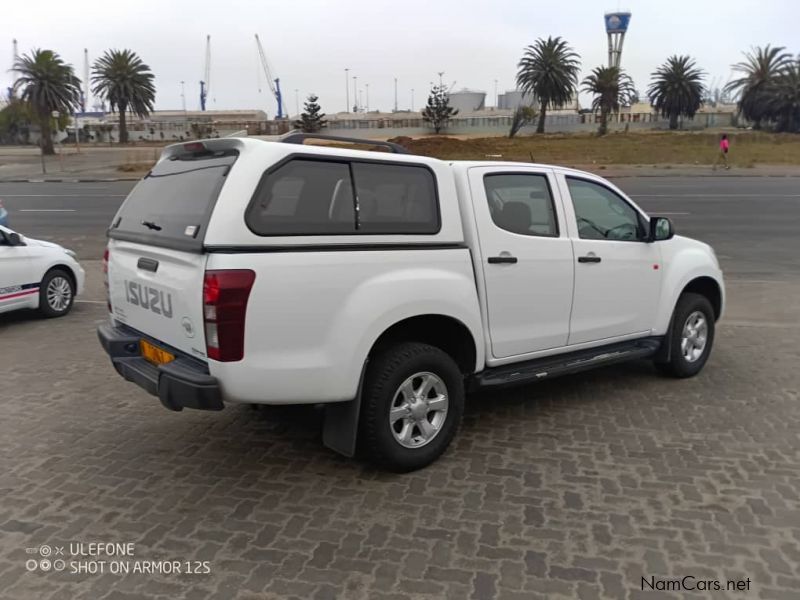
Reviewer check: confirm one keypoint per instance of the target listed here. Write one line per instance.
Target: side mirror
(14, 239)
(660, 229)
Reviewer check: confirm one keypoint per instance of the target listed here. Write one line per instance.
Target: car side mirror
(661, 228)
(14, 239)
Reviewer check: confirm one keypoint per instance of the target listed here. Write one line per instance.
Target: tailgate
(159, 291)
(156, 263)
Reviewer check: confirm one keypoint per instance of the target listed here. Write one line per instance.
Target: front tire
(691, 337)
(412, 404)
(56, 294)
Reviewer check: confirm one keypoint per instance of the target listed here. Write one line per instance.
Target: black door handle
(496, 260)
(589, 259)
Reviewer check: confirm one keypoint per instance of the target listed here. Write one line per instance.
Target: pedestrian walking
(724, 144)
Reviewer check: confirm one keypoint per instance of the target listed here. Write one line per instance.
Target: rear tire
(691, 337)
(412, 404)
(56, 294)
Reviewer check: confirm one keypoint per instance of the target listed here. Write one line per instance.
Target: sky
(310, 43)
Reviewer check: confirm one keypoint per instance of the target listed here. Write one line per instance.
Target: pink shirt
(723, 145)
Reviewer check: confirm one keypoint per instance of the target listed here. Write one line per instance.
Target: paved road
(752, 222)
(573, 488)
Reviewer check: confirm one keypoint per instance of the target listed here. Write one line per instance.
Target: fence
(490, 125)
(375, 127)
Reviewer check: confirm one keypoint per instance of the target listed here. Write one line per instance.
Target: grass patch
(652, 148)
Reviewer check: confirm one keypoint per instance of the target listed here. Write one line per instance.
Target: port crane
(274, 82)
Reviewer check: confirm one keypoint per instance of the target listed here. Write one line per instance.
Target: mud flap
(340, 429)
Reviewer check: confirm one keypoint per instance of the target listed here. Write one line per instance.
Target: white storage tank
(513, 99)
(468, 101)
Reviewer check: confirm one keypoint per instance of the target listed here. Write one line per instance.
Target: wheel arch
(67, 269)
(441, 331)
(709, 288)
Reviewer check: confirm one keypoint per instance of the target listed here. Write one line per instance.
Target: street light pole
(440, 78)
(367, 105)
(495, 93)
(355, 92)
(183, 99)
(395, 94)
(347, 90)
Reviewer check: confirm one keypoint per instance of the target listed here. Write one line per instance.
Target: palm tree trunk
(45, 131)
(542, 114)
(673, 121)
(603, 122)
(123, 126)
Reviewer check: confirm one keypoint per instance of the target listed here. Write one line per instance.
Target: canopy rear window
(172, 204)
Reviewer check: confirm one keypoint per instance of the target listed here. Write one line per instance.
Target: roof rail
(299, 138)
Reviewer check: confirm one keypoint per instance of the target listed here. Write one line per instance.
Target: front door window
(603, 215)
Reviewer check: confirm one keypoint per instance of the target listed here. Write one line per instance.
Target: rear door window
(172, 204)
(521, 203)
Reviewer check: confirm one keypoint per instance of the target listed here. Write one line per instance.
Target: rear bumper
(179, 384)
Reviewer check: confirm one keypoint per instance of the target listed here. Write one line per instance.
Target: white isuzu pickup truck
(387, 285)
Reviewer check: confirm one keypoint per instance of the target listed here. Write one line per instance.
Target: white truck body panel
(314, 316)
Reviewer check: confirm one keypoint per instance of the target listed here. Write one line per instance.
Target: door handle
(589, 259)
(496, 260)
(147, 264)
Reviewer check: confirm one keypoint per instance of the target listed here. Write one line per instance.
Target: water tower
(616, 26)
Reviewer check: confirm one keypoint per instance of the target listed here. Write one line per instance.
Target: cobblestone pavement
(575, 488)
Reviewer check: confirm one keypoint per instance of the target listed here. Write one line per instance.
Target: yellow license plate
(155, 355)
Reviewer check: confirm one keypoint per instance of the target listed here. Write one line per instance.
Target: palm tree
(676, 89)
(783, 98)
(548, 70)
(759, 71)
(611, 87)
(121, 77)
(46, 84)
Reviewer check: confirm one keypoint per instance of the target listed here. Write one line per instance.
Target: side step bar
(564, 364)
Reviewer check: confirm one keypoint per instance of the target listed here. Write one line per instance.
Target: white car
(37, 274)
(388, 285)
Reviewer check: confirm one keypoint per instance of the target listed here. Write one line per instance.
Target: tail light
(225, 294)
(105, 278)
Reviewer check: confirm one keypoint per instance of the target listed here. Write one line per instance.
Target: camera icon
(44, 564)
(45, 550)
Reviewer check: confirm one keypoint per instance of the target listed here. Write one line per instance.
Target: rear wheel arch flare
(441, 331)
